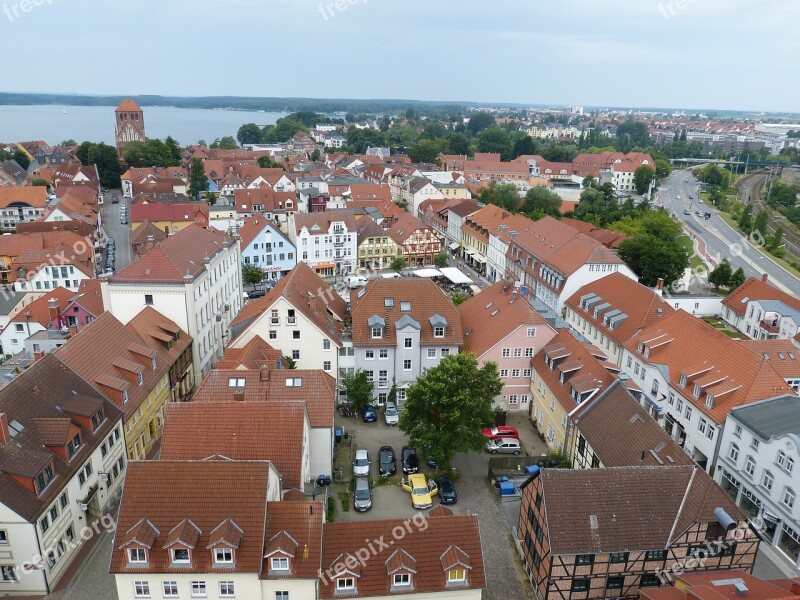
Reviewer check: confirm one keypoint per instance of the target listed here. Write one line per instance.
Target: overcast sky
(727, 54)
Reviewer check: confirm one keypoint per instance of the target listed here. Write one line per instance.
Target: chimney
(54, 312)
(660, 283)
(764, 277)
(38, 355)
(264, 374)
(238, 395)
(5, 434)
(73, 331)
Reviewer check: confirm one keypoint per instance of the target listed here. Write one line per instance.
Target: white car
(361, 463)
(390, 414)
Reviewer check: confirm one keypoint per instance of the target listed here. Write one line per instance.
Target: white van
(355, 281)
(391, 276)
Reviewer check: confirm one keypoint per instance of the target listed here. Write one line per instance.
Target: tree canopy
(652, 258)
(252, 274)
(480, 121)
(198, 182)
(642, 178)
(357, 387)
(447, 407)
(540, 200)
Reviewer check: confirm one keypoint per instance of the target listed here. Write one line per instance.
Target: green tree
(652, 258)
(398, 263)
(315, 155)
(541, 200)
(225, 143)
(660, 224)
(174, 150)
(632, 134)
(198, 182)
(776, 241)
(39, 182)
(737, 279)
(504, 195)
(5, 155)
(663, 168)
(361, 139)
(69, 142)
(447, 407)
(524, 145)
(721, 275)
(252, 274)
(21, 158)
(357, 387)
(782, 194)
(440, 260)
(760, 224)
(642, 178)
(746, 219)
(424, 151)
(106, 159)
(457, 143)
(459, 298)
(480, 121)
(495, 140)
(266, 162)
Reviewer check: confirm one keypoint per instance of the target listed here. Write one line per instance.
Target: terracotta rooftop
(321, 222)
(494, 314)
(722, 585)
(302, 520)
(680, 342)
(173, 213)
(30, 195)
(253, 226)
(757, 289)
(643, 508)
(159, 334)
(17, 243)
(208, 493)
(431, 551)
(128, 105)
(38, 311)
(405, 226)
(393, 300)
(89, 297)
(781, 353)
(254, 355)
(316, 388)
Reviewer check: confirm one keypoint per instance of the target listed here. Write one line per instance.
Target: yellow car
(421, 490)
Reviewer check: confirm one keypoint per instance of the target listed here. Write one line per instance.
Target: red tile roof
(721, 585)
(781, 353)
(302, 520)
(166, 493)
(255, 354)
(255, 225)
(38, 311)
(32, 195)
(128, 105)
(757, 289)
(90, 297)
(174, 213)
(238, 431)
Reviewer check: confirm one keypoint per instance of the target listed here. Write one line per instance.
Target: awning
(454, 245)
(324, 266)
(428, 273)
(479, 258)
(455, 275)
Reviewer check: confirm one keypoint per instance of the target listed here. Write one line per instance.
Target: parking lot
(476, 495)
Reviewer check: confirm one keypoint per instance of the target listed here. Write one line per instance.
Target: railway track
(751, 191)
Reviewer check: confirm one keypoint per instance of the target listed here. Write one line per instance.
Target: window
(226, 589)
(531, 332)
(711, 431)
(326, 365)
(789, 497)
(737, 431)
(180, 555)
(580, 584)
(438, 331)
(273, 335)
(295, 354)
(768, 480)
(431, 352)
(406, 365)
(619, 557)
(401, 580)
(281, 595)
(170, 589)
(407, 342)
(53, 513)
(750, 466)
(701, 426)
(584, 559)
(44, 524)
(198, 589)
(383, 353)
(74, 445)
(655, 555)
(528, 352)
(279, 564)
(295, 334)
(137, 555)
(345, 583)
(506, 353)
(141, 589)
(517, 352)
(139, 379)
(223, 555)
(503, 372)
(688, 413)
(785, 461)
(377, 332)
(369, 354)
(733, 454)
(148, 299)
(755, 443)
(8, 573)
(615, 583)
(456, 576)
(3, 537)
(326, 344)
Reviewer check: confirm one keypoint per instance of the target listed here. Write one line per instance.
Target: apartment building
(326, 241)
(763, 312)
(19, 204)
(265, 246)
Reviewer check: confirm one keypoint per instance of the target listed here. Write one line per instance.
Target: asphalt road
(113, 228)
(721, 240)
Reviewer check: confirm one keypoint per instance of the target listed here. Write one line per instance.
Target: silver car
(390, 414)
(362, 494)
(361, 463)
(504, 446)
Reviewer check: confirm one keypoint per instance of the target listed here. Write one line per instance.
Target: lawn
(688, 245)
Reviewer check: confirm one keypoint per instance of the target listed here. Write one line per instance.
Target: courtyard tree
(357, 387)
(642, 178)
(721, 275)
(252, 274)
(447, 407)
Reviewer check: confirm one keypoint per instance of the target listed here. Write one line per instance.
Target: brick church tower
(129, 126)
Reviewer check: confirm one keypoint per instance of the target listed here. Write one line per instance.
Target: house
(128, 372)
(12, 246)
(86, 305)
(455, 219)
(256, 354)
(566, 373)
(301, 316)
(191, 528)
(40, 271)
(194, 278)
(419, 242)
(274, 205)
(442, 560)
(610, 310)
(62, 462)
(761, 311)
(144, 238)
(327, 241)
(501, 327)
(783, 356)
(757, 468)
(489, 168)
(21, 204)
(400, 328)
(553, 260)
(651, 521)
(311, 389)
(376, 249)
(236, 430)
(500, 235)
(139, 176)
(415, 191)
(691, 391)
(44, 313)
(724, 585)
(475, 234)
(170, 218)
(265, 246)
(596, 428)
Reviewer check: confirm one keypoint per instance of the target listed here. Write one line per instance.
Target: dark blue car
(368, 414)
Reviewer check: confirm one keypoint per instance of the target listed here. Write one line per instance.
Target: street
(721, 240)
(114, 229)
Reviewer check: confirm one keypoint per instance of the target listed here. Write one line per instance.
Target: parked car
(686, 211)
(501, 431)
(123, 220)
(114, 199)
(387, 463)
(256, 294)
(504, 446)
(390, 414)
(422, 491)
(409, 458)
(361, 463)
(447, 490)
(362, 494)
(368, 413)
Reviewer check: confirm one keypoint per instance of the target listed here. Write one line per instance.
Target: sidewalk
(771, 565)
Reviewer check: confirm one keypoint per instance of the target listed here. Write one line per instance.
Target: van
(356, 281)
(391, 276)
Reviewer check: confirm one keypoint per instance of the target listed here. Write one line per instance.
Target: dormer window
(401, 580)
(456, 576)
(682, 382)
(223, 556)
(696, 390)
(74, 445)
(180, 555)
(44, 478)
(345, 584)
(153, 363)
(139, 379)
(137, 555)
(709, 401)
(97, 419)
(124, 396)
(279, 563)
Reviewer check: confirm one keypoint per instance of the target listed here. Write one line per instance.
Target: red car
(501, 431)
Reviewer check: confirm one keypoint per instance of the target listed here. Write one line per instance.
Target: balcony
(771, 326)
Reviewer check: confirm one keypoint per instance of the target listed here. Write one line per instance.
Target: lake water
(54, 124)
